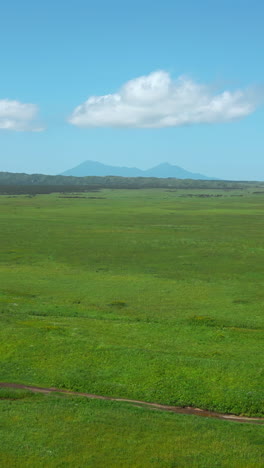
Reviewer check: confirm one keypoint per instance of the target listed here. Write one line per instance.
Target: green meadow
(151, 294)
(50, 431)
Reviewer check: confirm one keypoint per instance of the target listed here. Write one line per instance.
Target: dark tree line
(40, 183)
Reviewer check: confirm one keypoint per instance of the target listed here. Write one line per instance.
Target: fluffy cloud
(156, 100)
(15, 115)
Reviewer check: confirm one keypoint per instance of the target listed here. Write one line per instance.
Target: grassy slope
(50, 431)
(143, 294)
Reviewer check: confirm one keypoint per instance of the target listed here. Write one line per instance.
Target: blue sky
(55, 55)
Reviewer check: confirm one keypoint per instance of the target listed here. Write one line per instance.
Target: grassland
(50, 431)
(147, 294)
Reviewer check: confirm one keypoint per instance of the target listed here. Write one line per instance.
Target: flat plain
(154, 295)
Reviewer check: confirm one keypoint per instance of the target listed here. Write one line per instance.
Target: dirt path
(157, 406)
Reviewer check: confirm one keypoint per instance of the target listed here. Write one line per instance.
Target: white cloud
(15, 115)
(156, 100)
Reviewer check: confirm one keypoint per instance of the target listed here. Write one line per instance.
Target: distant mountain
(164, 170)
(93, 168)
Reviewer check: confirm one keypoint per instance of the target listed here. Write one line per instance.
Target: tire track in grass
(157, 406)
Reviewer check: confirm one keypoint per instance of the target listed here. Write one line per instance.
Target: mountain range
(164, 170)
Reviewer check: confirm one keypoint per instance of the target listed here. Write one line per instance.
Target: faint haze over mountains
(164, 170)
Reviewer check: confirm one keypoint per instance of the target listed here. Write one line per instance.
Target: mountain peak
(162, 170)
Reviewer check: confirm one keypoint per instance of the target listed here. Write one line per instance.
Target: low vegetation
(41, 431)
(30, 183)
(144, 294)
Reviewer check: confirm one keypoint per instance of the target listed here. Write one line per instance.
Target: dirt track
(157, 406)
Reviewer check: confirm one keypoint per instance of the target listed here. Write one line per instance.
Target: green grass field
(41, 431)
(146, 294)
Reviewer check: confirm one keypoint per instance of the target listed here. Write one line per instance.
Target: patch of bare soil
(174, 409)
